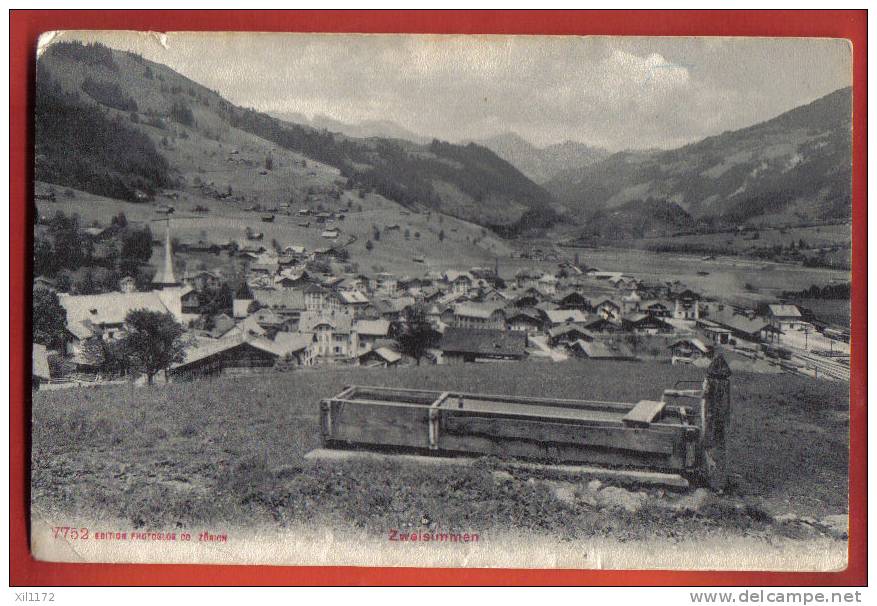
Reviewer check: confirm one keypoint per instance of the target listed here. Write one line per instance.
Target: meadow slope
(230, 451)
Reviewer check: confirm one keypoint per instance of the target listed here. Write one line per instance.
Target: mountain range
(106, 121)
(541, 164)
(791, 169)
(367, 129)
(123, 115)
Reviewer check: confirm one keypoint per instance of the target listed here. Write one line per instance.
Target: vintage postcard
(442, 300)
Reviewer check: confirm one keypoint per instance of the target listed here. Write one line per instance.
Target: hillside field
(465, 244)
(231, 451)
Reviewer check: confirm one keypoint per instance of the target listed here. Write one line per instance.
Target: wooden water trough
(676, 434)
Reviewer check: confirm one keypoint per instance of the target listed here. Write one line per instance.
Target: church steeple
(165, 278)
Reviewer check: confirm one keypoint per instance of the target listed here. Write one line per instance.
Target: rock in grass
(694, 501)
(500, 476)
(613, 496)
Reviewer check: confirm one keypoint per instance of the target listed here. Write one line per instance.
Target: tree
(269, 162)
(155, 340)
(49, 319)
(136, 249)
(417, 334)
(45, 261)
(441, 235)
(109, 357)
(369, 245)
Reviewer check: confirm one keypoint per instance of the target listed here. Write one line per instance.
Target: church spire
(165, 276)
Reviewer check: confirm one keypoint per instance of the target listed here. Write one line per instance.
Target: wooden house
(460, 345)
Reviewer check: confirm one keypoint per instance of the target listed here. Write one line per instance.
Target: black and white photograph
(405, 300)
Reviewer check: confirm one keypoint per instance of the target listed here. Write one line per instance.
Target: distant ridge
(792, 169)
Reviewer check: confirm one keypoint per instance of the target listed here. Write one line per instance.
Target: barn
(459, 345)
(220, 357)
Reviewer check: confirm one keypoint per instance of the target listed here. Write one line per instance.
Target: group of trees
(829, 291)
(80, 146)
(152, 342)
(109, 94)
(77, 261)
(415, 333)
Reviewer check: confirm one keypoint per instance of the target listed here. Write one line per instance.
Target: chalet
(647, 324)
(526, 279)
(236, 356)
(566, 334)
(556, 317)
(203, 280)
(527, 320)
(386, 284)
(287, 302)
(714, 332)
(349, 283)
(479, 315)
(686, 305)
(488, 294)
(190, 301)
(319, 298)
(631, 302)
(291, 278)
(602, 325)
(382, 357)
(226, 356)
(744, 326)
(269, 320)
(412, 286)
(330, 234)
(786, 318)
(526, 299)
(105, 313)
(573, 300)
(609, 310)
(460, 282)
(655, 308)
(369, 332)
(392, 309)
(459, 345)
(602, 350)
(353, 300)
(334, 337)
(690, 351)
(294, 348)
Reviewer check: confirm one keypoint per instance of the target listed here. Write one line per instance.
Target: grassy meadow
(230, 450)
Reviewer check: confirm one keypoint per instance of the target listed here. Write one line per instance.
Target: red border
(26, 25)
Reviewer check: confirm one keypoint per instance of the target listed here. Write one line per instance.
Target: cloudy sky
(615, 92)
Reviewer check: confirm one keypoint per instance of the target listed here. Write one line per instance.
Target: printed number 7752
(66, 532)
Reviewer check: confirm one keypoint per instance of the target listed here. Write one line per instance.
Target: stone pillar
(716, 423)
